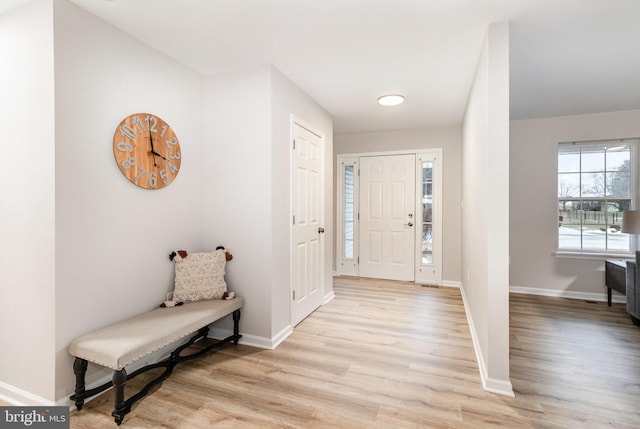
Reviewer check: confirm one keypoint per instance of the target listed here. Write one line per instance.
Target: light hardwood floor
(398, 355)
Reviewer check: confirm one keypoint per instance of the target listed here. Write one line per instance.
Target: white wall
(113, 238)
(485, 193)
(534, 206)
(237, 187)
(247, 182)
(27, 270)
(447, 138)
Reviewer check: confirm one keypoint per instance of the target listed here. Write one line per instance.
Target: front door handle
(408, 224)
(320, 230)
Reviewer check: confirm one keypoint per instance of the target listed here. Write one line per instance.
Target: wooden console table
(615, 277)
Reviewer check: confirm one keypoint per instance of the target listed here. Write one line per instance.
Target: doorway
(389, 215)
(307, 220)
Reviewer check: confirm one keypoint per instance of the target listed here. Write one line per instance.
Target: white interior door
(387, 221)
(307, 227)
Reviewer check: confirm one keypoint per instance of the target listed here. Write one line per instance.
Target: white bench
(123, 343)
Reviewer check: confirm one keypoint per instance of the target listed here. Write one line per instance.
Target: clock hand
(157, 154)
(153, 152)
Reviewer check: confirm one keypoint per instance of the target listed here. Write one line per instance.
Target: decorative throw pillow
(199, 276)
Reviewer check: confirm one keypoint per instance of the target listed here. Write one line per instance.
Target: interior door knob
(320, 230)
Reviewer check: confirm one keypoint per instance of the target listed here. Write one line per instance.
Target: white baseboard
(19, 397)
(451, 283)
(328, 297)
(586, 296)
(281, 336)
(502, 387)
(254, 340)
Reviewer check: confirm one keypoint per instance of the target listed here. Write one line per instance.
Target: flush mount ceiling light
(390, 100)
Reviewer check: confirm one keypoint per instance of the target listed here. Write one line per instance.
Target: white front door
(387, 223)
(307, 227)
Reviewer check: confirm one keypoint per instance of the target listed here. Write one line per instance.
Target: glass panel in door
(427, 213)
(349, 204)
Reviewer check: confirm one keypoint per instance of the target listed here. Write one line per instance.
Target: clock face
(147, 151)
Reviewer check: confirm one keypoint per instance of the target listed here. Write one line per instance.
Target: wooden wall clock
(147, 151)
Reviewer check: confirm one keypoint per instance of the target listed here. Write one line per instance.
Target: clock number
(142, 171)
(172, 142)
(172, 168)
(164, 128)
(124, 147)
(171, 155)
(136, 122)
(150, 127)
(153, 180)
(163, 176)
(127, 163)
(127, 131)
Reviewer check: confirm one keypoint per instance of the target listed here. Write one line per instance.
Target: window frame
(345, 265)
(430, 273)
(633, 200)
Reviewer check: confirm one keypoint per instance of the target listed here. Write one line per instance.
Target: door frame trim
(342, 266)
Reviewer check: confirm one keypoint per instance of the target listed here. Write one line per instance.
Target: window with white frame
(347, 216)
(595, 185)
(349, 211)
(427, 213)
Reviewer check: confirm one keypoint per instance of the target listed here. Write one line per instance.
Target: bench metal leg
(119, 380)
(79, 369)
(236, 327)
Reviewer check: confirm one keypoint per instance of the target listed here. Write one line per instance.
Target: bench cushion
(119, 345)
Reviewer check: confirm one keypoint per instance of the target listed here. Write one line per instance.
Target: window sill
(565, 254)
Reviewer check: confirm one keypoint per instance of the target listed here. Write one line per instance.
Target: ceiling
(567, 56)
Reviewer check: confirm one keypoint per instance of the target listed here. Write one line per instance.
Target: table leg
(79, 368)
(119, 380)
